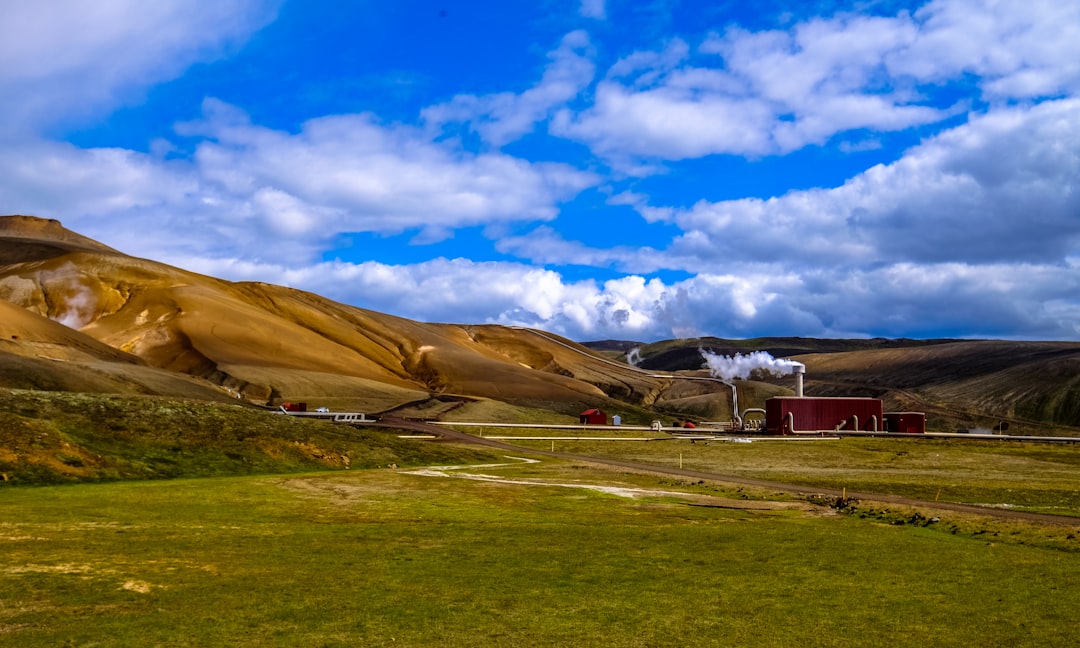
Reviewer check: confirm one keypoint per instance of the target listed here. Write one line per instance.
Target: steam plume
(633, 357)
(78, 311)
(741, 366)
(74, 303)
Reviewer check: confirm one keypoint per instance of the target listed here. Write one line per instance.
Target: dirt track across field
(446, 434)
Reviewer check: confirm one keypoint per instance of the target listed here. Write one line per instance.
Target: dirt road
(446, 434)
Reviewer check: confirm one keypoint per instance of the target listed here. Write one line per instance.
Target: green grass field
(1023, 476)
(59, 437)
(392, 558)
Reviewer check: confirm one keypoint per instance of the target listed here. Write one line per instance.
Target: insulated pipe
(790, 423)
(734, 402)
(873, 422)
(855, 419)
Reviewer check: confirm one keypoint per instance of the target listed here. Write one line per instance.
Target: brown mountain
(90, 318)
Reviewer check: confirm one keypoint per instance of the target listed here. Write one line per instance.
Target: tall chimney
(799, 370)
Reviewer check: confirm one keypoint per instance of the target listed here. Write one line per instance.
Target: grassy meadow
(387, 557)
(62, 437)
(1037, 477)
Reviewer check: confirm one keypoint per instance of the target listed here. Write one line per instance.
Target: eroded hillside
(266, 343)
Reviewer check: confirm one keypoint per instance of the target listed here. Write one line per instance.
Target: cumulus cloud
(263, 192)
(461, 290)
(776, 91)
(351, 173)
(902, 299)
(67, 59)
(506, 116)
(1016, 49)
(545, 245)
(57, 178)
(1004, 187)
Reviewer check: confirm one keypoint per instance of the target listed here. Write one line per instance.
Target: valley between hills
(78, 316)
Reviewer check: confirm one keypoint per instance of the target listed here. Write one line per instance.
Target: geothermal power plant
(800, 414)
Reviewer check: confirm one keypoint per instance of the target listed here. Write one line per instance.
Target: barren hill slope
(959, 383)
(37, 353)
(1033, 383)
(267, 343)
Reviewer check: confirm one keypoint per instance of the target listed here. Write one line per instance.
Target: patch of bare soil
(711, 501)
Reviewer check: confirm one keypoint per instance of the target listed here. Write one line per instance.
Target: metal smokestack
(799, 370)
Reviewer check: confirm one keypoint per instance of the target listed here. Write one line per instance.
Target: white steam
(741, 366)
(633, 357)
(78, 310)
(75, 304)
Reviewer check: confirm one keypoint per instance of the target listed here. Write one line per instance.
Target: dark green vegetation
(384, 558)
(54, 437)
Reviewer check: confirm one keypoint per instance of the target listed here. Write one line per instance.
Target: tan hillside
(39, 238)
(268, 343)
(37, 353)
(26, 333)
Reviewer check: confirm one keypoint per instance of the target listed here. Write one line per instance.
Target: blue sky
(600, 169)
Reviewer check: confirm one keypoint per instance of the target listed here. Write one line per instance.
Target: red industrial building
(793, 414)
(593, 417)
(907, 422)
(802, 414)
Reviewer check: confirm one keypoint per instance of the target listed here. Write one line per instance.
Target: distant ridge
(42, 238)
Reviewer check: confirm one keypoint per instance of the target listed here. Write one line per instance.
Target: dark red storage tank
(907, 422)
(818, 414)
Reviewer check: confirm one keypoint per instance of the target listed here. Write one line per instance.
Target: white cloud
(1003, 188)
(504, 117)
(464, 291)
(69, 59)
(1018, 49)
(266, 193)
(545, 245)
(63, 180)
(773, 92)
(594, 9)
(668, 122)
(362, 176)
(953, 299)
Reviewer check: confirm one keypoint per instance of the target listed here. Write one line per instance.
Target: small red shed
(593, 417)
